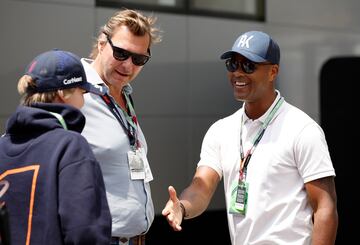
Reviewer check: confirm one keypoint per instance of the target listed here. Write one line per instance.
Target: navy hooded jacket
(56, 193)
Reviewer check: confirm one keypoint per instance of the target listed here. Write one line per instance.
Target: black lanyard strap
(130, 130)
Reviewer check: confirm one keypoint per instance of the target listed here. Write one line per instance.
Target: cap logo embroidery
(72, 80)
(32, 66)
(244, 41)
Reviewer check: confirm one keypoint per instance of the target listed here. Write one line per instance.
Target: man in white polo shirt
(274, 159)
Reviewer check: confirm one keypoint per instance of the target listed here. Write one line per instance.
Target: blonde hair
(25, 88)
(138, 24)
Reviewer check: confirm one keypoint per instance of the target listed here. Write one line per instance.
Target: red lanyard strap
(131, 129)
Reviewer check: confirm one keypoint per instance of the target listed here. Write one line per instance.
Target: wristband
(183, 210)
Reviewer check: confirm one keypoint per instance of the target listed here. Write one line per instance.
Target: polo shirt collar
(94, 78)
(264, 116)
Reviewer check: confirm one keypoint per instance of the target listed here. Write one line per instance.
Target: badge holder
(239, 198)
(136, 164)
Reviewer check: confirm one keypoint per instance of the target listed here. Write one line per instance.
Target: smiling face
(253, 87)
(115, 73)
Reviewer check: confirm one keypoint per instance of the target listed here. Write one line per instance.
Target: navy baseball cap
(58, 69)
(256, 46)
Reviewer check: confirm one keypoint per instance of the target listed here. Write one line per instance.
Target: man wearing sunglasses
(112, 130)
(273, 158)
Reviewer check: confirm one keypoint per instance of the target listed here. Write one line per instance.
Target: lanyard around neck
(60, 119)
(244, 160)
(131, 119)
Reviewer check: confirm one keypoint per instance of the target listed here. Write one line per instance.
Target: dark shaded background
(209, 228)
(339, 101)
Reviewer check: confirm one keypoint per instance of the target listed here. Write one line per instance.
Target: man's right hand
(173, 211)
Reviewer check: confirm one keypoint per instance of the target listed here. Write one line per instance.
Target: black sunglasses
(122, 54)
(247, 66)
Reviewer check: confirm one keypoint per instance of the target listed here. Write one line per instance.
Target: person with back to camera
(56, 192)
(112, 130)
(273, 158)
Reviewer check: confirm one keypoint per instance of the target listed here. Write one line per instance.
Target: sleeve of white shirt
(312, 155)
(210, 149)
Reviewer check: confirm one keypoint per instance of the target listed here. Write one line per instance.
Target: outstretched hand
(172, 210)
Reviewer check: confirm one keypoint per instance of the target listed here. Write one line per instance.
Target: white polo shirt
(292, 151)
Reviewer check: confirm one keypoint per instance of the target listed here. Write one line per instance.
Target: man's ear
(101, 42)
(274, 72)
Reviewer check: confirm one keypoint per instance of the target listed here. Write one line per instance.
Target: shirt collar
(264, 116)
(91, 74)
(94, 78)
